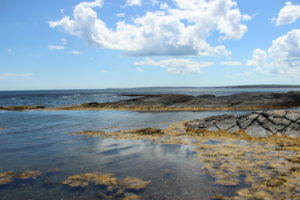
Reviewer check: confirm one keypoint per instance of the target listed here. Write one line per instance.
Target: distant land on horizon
(234, 86)
(168, 87)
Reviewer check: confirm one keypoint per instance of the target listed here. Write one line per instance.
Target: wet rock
(134, 183)
(6, 177)
(146, 131)
(28, 175)
(83, 180)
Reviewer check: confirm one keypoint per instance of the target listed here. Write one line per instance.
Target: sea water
(41, 140)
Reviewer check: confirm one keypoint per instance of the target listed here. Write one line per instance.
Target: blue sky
(64, 44)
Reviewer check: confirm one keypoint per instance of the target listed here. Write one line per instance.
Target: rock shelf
(178, 102)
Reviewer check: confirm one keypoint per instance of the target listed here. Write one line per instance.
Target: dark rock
(249, 100)
(91, 104)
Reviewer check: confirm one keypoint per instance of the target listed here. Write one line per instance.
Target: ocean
(40, 140)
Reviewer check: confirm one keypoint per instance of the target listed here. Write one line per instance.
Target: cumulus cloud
(134, 2)
(55, 47)
(283, 57)
(175, 31)
(13, 75)
(231, 63)
(178, 66)
(288, 14)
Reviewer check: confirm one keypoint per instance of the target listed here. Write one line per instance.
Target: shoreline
(268, 166)
(179, 102)
(144, 108)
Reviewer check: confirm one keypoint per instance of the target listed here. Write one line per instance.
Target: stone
(255, 130)
(293, 116)
(293, 130)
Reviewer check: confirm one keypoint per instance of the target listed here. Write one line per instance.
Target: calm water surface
(39, 140)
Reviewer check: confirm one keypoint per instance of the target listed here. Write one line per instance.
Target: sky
(74, 44)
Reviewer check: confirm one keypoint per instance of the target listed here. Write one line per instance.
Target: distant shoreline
(181, 102)
(164, 87)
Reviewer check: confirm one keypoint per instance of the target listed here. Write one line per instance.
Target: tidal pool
(37, 140)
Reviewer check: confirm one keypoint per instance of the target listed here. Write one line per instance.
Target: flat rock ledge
(256, 124)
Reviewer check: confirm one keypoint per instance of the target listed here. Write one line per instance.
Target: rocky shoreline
(179, 102)
(260, 150)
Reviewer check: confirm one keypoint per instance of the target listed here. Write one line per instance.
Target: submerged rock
(28, 175)
(6, 177)
(83, 180)
(10, 176)
(257, 124)
(134, 183)
(114, 187)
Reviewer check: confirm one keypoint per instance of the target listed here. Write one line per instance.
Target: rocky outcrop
(21, 108)
(289, 99)
(179, 102)
(257, 124)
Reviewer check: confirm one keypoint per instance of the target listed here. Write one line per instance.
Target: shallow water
(38, 140)
(71, 97)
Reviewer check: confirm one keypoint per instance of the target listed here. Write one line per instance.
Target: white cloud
(258, 60)
(181, 30)
(178, 66)
(164, 6)
(288, 14)
(231, 63)
(55, 47)
(75, 52)
(13, 75)
(283, 57)
(120, 14)
(134, 2)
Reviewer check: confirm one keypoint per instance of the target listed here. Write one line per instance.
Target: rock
(20, 108)
(132, 183)
(293, 130)
(257, 131)
(236, 100)
(293, 116)
(256, 124)
(91, 104)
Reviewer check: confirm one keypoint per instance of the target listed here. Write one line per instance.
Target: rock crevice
(259, 123)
